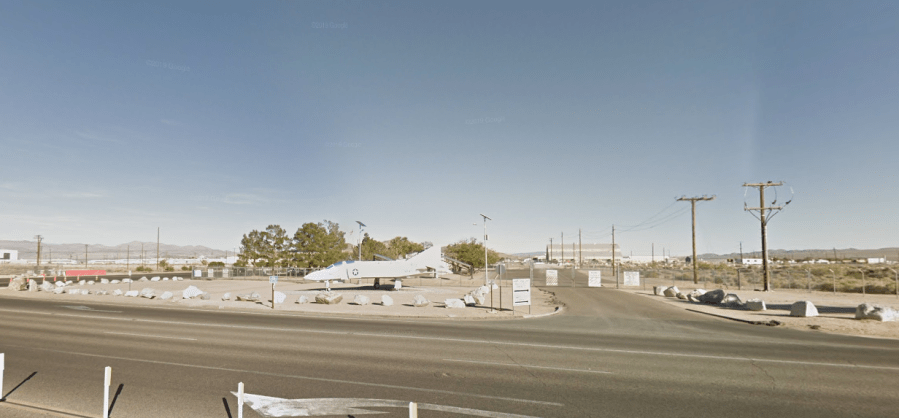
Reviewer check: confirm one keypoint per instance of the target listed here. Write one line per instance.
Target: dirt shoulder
(542, 303)
(836, 311)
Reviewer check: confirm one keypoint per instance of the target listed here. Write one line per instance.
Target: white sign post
(273, 280)
(107, 380)
(595, 278)
(552, 277)
(240, 400)
(2, 360)
(632, 278)
(521, 294)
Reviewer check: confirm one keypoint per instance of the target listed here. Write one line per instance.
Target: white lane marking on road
(527, 366)
(86, 308)
(315, 379)
(462, 340)
(150, 336)
(268, 406)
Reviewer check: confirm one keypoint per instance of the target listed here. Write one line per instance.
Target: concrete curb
(558, 310)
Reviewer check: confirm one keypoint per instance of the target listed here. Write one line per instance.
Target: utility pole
(613, 257)
(580, 248)
(486, 264)
(562, 246)
(692, 201)
(741, 252)
(157, 248)
(85, 256)
(550, 250)
(128, 261)
(39, 238)
(653, 253)
(761, 209)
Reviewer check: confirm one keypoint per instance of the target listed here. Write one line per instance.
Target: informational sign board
(225, 272)
(210, 273)
(594, 278)
(521, 292)
(632, 278)
(198, 273)
(273, 279)
(552, 277)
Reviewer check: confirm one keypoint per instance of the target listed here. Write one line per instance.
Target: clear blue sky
(209, 119)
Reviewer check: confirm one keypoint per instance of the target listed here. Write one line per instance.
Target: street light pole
(361, 225)
(486, 264)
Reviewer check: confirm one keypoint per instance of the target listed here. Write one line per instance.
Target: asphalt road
(608, 354)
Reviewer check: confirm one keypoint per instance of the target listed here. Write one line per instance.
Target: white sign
(552, 277)
(632, 278)
(521, 292)
(211, 273)
(198, 273)
(273, 279)
(595, 278)
(224, 272)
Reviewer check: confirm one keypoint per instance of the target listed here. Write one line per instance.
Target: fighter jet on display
(423, 262)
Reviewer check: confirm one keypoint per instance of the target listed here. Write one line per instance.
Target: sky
(210, 119)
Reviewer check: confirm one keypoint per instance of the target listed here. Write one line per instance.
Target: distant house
(879, 260)
(8, 255)
(751, 261)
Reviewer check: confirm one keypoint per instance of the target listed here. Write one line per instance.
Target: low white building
(879, 260)
(7, 256)
(752, 261)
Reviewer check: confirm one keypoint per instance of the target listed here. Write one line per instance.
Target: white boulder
(469, 300)
(302, 300)
(115, 281)
(117, 292)
(803, 309)
(756, 305)
(91, 282)
(148, 293)
(226, 296)
(280, 297)
(386, 300)
(671, 292)
(155, 279)
(104, 281)
(47, 286)
(17, 284)
(102, 292)
(454, 303)
(166, 295)
(328, 298)
(420, 301)
(659, 290)
(361, 300)
(191, 292)
(713, 297)
(59, 290)
(132, 293)
(877, 313)
(32, 285)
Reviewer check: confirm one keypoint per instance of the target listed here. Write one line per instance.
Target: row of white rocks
(802, 308)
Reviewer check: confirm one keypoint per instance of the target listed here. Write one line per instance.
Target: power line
(764, 221)
(693, 201)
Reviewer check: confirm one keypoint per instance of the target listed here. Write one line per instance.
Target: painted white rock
(386, 300)
(420, 301)
(328, 298)
(117, 292)
(166, 295)
(155, 279)
(226, 296)
(303, 300)
(361, 300)
(803, 309)
(877, 313)
(102, 292)
(47, 286)
(280, 297)
(469, 300)
(671, 292)
(454, 303)
(713, 297)
(148, 293)
(104, 281)
(191, 292)
(59, 290)
(659, 290)
(115, 281)
(756, 305)
(132, 293)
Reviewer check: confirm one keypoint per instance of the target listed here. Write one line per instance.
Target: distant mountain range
(891, 253)
(28, 250)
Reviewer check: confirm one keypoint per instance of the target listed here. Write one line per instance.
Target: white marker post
(2, 361)
(106, 382)
(240, 400)
(413, 410)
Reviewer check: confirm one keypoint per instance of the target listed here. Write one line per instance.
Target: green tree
(264, 248)
(400, 247)
(319, 244)
(370, 247)
(470, 251)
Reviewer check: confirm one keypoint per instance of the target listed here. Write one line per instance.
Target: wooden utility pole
(157, 248)
(580, 248)
(562, 246)
(39, 238)
(761, 209)
(85, 256)
(692, 201)
(613, 257)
